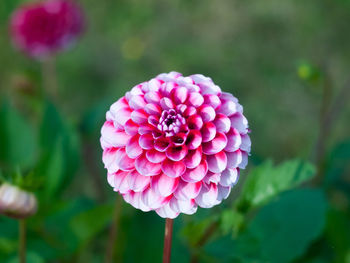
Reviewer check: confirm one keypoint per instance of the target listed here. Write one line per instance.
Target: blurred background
(286, 61)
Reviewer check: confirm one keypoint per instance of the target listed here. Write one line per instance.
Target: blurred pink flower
(43, 28)
(175, 143)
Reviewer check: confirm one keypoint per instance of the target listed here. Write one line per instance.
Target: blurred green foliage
(287, 62)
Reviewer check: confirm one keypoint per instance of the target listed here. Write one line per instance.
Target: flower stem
(49, 76)
(113, 230)
(167, 240)
(22, 240)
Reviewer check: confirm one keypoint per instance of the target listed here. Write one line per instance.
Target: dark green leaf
(267, 181)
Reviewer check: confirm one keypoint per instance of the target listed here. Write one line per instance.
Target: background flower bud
(16, 203)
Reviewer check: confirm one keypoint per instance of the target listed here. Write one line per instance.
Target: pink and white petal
(207, 197)
(109, 159)
(164, 185)
(207, 113)
(136, 90)
(137, 182)
(196, 174)
(153, 200)
(118, 105)
(116, 179)
(153, 120)
(112, 136)
(189, 111)
(124, 162)
(183, 81)
(152, 97)
(154, 84)
(209, 88)
(228, 96)
(199, 78)
(234, 159)
(212, 178)
(223, 193)
(123, 186)
(133, 149)
(244, 161)
(239, 122)
(155, 157)
(131, 127)
(179, 95)
(173, 169)
(167, 212)
(234, 140)
(195, 122)
(188, 207)
(208, 131)
(146, 168)
(146, 128)
(228, 107)
(153, 109)
(187, 191)
(167, 87)
(161, 144)
(176, 153)
(193, 158)
(137, 102)
(222, 123)
(167, 104)
(194, 139)
(229, 177)
(195, 99)
(216, 145)
(122, 116)
(246, 143)
(212, 100)
(139, 116)
(135, 200)
(146, 141)
(217, 162)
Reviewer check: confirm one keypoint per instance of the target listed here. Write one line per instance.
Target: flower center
(170, 122)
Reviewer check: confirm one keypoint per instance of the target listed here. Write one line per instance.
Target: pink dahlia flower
(43, 28)
(175, 143)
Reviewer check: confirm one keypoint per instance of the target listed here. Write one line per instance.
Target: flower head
(43, 28)
(15, 202)
(175, 143)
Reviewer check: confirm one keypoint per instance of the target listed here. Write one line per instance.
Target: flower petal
(153, 109)
(207, 113)
(208, 131)
(131, 127)
(153, 200)
(146, 141)
(207, 197)
(179, 94)
(138, 182)
(194, 139)
(112, 136)
(229, 177)
(239, 122)
(161, 144)
(194, 122)
(222, 123)
(176, 153)
(233, 140)
(187, 191)
(188, 207)
(228, 107)
(196, 174)
(216, 145)
(173, 169)
(164, 185)
(139, 116)
(246, 143)
(223, 193)
(133, 149)
(193, 158)
(217, 162)
(195, 99)
(146, 168)
(167, 212)
(234, 158)
(137, 102)
(124, 162)
(109, 159)
(212, 100)
(155, 157)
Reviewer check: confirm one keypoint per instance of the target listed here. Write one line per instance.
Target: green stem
(22, 240)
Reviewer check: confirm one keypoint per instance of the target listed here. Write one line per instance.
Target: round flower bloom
(15, 202)
(43, 28)
(175, 143)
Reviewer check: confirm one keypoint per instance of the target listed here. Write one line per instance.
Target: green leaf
(31, 257)
(231, 221)
(266, 181)
(88, 224)
(59, 151)
(17, 139)
(284, 229)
